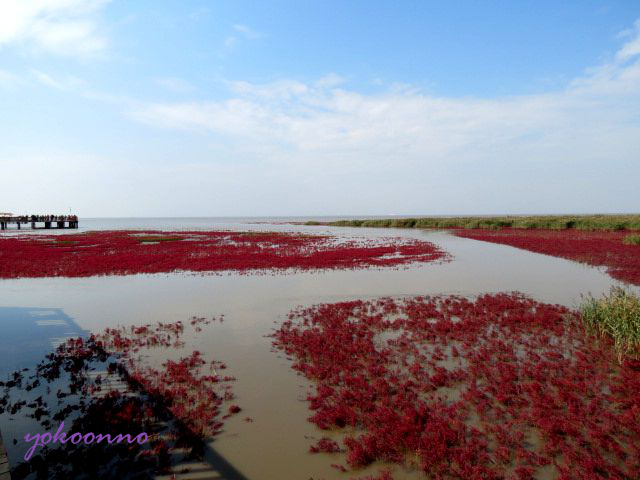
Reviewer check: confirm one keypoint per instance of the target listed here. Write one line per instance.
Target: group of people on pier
(40, 218)
(50, 221)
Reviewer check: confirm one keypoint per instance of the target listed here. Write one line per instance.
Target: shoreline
(629, 222)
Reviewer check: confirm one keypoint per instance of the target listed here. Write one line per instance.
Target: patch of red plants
(194, 387)
(128, 252)
(178, 404)
(597, 248)
(497, 387)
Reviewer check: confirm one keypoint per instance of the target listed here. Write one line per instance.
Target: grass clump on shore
(632, 240)
(547, 222)
(157, 238)
(616, 315)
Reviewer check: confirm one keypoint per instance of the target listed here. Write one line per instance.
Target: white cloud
(230, 42)
(47, 80)
(320, 147)
(632, 47)
(279, 90)
(68, 82)
(248, 32)
(321, 117)
(405, 150)
(241, 31)
(330, 80)
(66, 27)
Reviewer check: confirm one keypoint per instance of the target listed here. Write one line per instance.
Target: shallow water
(275, 445)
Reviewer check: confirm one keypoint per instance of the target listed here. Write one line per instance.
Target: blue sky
(192, 108)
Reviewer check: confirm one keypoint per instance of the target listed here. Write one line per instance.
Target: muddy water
(275, 445)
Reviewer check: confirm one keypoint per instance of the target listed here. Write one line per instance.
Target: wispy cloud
(242, 32)
(248, 32)
(592, 113)
(67, 82)
(230, 42)
(65, 27)
(632, 47)
(320, 145)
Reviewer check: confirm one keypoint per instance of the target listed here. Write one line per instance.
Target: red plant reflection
(108, 384)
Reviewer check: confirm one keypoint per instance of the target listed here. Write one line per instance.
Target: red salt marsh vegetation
(497, 387)
(105, 384)
(131, 252)
(614, 250)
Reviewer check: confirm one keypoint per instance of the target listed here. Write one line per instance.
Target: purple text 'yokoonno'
(88, 438)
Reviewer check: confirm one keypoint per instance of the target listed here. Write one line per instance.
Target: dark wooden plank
(4, 462)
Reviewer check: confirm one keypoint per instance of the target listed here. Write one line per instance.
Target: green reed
(553, 222)
(616, 315)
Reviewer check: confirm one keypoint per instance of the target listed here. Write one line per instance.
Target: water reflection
(101, 384)
(28, 334)
(276, 444)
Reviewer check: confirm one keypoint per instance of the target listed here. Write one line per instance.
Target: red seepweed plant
(499, 387)
(598, 248)
(130, 252)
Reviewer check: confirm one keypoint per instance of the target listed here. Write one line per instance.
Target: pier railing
(39, 221)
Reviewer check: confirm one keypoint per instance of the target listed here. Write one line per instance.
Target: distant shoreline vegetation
(550, 222)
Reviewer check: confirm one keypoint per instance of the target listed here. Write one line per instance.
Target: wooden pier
(4, 463)
(39, 221)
